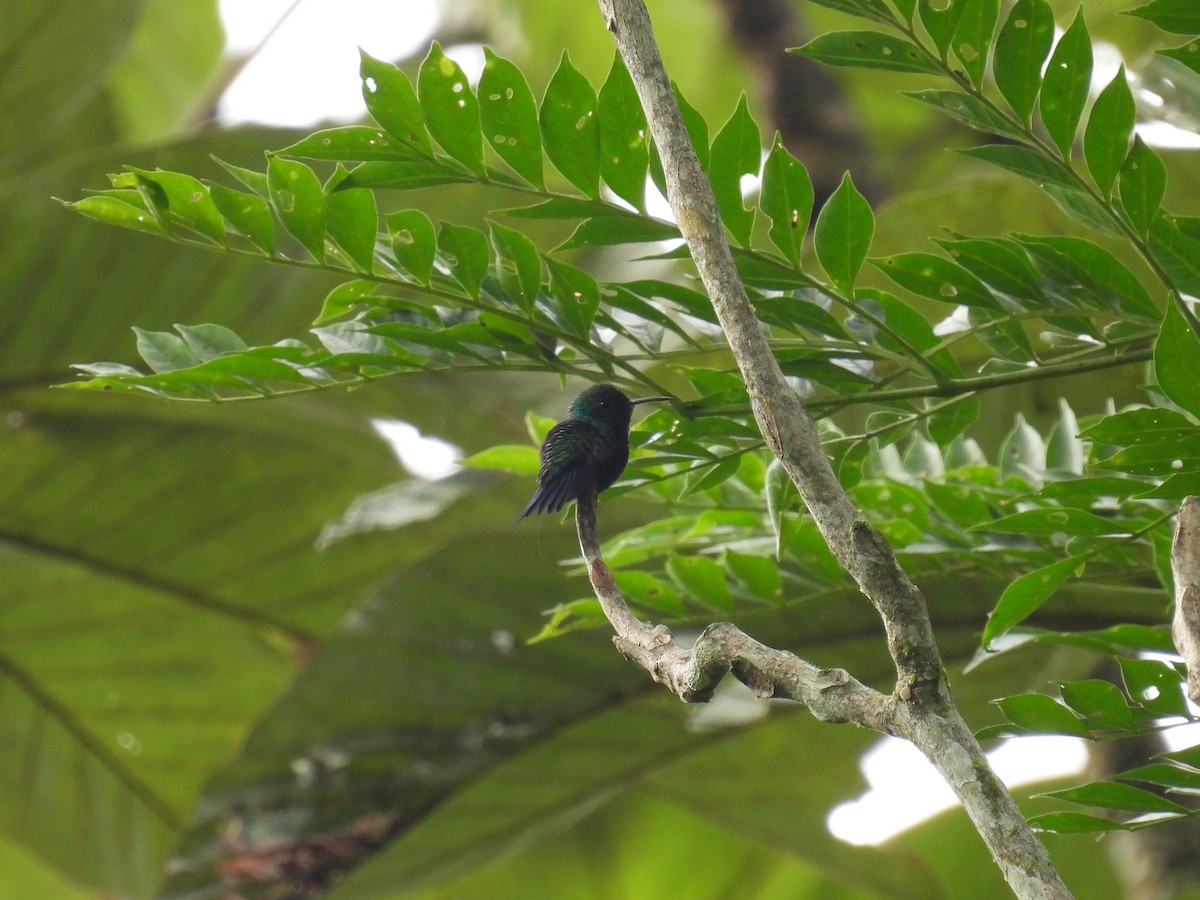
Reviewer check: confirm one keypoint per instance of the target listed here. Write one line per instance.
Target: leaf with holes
(624, 155)
(867, 50)
(393, 103)
(787, 198)
(736, 151)
(1021, 49)
(299, 202)
(450, 109)
(509, 117)
(570, 130)
(972, 40)
(936, 278)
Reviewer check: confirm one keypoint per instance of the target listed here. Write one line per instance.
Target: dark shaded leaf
(1026, 163)
(1177, 359)
(703, 579)
(518, 266)
(969, 110)
(1177, 16)
(1106, 137)
(1141, 185)
(867, 50)
(1100, 702)
(1065, 88)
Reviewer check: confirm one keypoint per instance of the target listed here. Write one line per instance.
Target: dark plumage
(587, 451)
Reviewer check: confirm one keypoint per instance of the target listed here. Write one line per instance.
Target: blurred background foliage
(188, 685)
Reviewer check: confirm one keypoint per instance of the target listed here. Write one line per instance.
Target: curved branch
(924, 712)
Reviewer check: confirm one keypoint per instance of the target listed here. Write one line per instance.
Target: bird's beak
(649, 400)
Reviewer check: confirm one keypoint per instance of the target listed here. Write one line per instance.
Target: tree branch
(924, 712)
(1185, 566)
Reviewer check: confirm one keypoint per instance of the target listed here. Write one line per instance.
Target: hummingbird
(587, 451)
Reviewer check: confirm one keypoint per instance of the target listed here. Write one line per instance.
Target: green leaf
(1177, 16)
(248, 214)
(759, 574)
(1021, 49)
(1156, 685)
(450, 108)
(624, 154)
(1094, 274)
(165, 352)
(703, 579)
(1177, 358)
(576, 295)
(353, 222)
(972, 41)
(1023, 452)
(414, 243)
(465, 251)
(111, 211)
(867, 50)
(736, 151)
(519, 459)
(509, 117)
(570, 130)
(1074, 823)
(1026, 163)
(941, 22)
(875, 10)
(518, 266)
(1002, 265)
(1065, 89)
(1164, 774)
(780, 495)
(1106, 137)
(1055, 520)
(649, 591)
(1142, 183)
(403, 176)
(209, 341)
(1188, 54)
(787, 198)
(1177, 251)
(843, 235)
(299, 202)
(189, 202)
(969, 110)
(936, 278)
(1100, 702)
(348, 143)
(1112, 795)
(393, 103)
(610, 230)
(951, 421)
(1039, 714)
(1026, 595)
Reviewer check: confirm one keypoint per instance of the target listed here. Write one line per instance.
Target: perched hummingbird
(587, 451)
